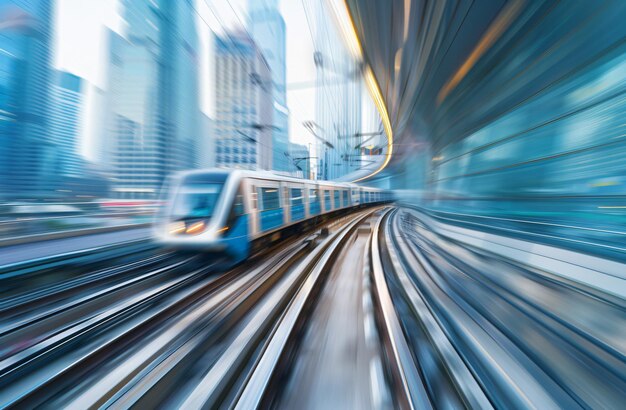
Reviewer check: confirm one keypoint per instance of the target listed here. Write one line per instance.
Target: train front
(194, 215)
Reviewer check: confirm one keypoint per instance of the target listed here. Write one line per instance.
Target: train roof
(270, 176)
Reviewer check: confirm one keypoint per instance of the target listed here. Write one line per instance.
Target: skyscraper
(267, 28)
(243, 104)
(26, 151)
(65, 116)
(153, 104)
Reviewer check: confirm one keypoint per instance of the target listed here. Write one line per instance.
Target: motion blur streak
(501, 23)
(320, 204)
(529, 124)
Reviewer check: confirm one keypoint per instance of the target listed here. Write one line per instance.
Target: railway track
(155, 314)
(37, 277)
(304, 357)
(374, 311)
(500, 333)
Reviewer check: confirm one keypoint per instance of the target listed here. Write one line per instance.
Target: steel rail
(70, 313)
(285, 303)
(44, 295)
(409, 384)
(564, 345)
(157, 364)
(167, 329)
(255, 392)
(82, 348)
(508, 377)
(460, 375)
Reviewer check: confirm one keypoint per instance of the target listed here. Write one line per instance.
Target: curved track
(376, 311)
(487, 332)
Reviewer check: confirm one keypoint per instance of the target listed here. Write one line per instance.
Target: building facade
(65, 122)
(153, 119)
(26, 152)
(267, 28)
(243, 105)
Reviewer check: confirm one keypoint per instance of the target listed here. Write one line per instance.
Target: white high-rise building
(243, 104)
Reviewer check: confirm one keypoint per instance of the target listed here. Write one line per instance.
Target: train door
(315, 200)
(306, 200)
(297, 207)
(355, 196)
(285, 202)
(271, 211)
(327, 199)
(252, 206)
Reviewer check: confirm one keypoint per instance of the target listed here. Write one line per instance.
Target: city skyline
(140, 112)
(81, 42)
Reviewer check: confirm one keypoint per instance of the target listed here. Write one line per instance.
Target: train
(237, 212)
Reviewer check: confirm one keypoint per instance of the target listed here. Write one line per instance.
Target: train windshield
(196, 200)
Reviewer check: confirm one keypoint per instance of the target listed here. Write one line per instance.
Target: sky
(81, 48)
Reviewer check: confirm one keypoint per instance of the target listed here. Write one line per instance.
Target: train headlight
(195, 228)
(221, 230)
(176, 228)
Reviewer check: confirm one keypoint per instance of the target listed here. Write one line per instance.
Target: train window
(345, 198)
(327, 203)
(269, 199)
(337, 200)
(296, 196)
(196, 200)
(313, 195)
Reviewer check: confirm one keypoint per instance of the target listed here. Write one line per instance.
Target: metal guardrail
(16, 269)
(21, 240)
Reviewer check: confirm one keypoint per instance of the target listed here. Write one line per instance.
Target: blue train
(237, 212)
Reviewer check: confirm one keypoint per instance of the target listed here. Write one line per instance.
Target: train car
(236, 212)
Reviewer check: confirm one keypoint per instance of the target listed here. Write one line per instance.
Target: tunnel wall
(537, 129)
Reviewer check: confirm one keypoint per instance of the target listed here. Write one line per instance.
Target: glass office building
(267, 28)
(26, 151)
(154, 122)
